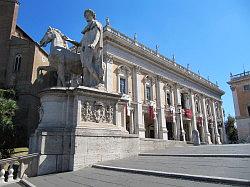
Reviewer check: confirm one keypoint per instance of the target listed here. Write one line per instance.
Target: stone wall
(90, 150)
(158, 144)
(243, 127)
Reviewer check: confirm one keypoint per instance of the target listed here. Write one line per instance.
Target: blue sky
(212, 36)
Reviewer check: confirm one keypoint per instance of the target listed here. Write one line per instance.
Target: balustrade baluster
(2, 178)
(11, 170)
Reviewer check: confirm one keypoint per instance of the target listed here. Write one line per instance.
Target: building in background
(240, 86)
(168, 101)
(20, 56)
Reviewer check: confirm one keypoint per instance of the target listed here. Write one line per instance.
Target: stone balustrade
(16, 168)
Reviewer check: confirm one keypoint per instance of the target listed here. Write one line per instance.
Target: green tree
(8, 106)
(231, 131)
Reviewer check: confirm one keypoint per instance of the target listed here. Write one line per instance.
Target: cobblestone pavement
(209, 166)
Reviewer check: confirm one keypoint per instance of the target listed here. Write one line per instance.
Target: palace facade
(167, 100)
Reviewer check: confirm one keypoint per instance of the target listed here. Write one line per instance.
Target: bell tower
(8, 19)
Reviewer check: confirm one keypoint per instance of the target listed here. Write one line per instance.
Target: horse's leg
(61, 75)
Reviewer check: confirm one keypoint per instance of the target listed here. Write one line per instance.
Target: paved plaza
(234, 167)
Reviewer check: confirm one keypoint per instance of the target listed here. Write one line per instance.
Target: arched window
(17, 64)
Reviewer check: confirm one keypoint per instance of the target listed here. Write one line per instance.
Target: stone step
(198, 155)
(183, 176)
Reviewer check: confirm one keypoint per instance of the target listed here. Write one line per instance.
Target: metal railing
(16, 168)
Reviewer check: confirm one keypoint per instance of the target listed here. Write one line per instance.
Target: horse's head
(53, 35)
(47, 38)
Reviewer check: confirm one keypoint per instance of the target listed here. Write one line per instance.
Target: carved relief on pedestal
(87, 112)
(109, 114)
(97, 112)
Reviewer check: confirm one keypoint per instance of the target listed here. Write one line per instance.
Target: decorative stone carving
(107, 21)
(108, 58)
(138, 69)
(150, 79)
(124, 70)
(109, 114)
(160, 78)
(86, 112)
(97, 112)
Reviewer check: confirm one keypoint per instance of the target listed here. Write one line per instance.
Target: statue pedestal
(79, 127)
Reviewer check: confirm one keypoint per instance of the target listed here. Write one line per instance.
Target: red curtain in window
(188, 113)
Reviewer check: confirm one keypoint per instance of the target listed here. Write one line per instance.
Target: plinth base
(80, 127)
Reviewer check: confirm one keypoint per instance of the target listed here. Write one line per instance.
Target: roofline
(154, 54)
(45, 53)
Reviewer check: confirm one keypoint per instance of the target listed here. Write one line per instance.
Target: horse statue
(61, 59)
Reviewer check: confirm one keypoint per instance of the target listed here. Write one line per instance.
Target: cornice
(112, 35)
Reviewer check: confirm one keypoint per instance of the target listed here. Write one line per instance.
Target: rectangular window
(197, 107)
(182, 101)
(247, 87)
(148, 93)
(248, 110)
(168, 99)
(122, 86)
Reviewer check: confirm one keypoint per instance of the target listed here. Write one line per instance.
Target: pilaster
(140, 127)
(163, 132)
(109, 74)
(205, 122)
(217, 135)
(179, 120)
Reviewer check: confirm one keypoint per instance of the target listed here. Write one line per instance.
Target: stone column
(207, 134)
(156, 129)
(174, 113)
(190, 129)
(140, 127)
(177, 111)
(182, 131)
(213, 135)
(179, 119)
(163, 132)
(194, 122)
(131, 122)
(109, 74)
(217, 135)
(202, 122)
(223, 125)
(202, 135)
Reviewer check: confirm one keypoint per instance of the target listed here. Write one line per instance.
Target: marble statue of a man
(92, 51)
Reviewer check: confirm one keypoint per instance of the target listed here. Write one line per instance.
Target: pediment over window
(148, 79)
(125, 70)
